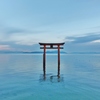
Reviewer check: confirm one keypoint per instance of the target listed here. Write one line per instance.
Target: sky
(25, 23)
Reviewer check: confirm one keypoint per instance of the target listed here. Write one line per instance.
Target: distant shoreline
(49, 53)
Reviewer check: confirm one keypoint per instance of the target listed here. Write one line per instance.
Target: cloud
(87, 38)
(23, 40)
(21, 36)
(96, 41)
(24, 37)
(27, 40)
(17, 47)
(5, 47)
(84, 43)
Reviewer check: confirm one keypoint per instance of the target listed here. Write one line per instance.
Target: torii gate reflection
(51, 46)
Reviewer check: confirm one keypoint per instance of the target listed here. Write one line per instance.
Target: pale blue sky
(24, 23)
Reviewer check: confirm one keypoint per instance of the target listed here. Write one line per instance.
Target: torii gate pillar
(51, 46)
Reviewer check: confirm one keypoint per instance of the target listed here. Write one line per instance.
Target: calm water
(21, 77)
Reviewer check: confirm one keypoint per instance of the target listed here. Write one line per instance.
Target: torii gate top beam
(51, 45)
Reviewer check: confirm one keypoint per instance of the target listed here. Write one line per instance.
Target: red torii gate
(51, 46)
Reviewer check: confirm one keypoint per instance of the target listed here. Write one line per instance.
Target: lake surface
(21, 77)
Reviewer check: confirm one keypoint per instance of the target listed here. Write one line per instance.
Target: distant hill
(48, 52)
(33, 52)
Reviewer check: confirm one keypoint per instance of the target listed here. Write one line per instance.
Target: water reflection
(51, 78)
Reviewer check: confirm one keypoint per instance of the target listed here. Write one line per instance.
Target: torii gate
(51, 46)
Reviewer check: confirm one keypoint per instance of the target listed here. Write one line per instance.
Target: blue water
(21, 77)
